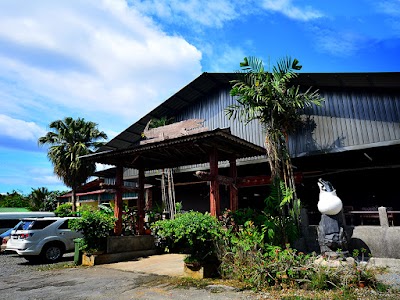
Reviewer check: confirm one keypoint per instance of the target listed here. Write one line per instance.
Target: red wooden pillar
(233, 190)
(214, 185)
(149, 200)
(141, 201)
(119, 183)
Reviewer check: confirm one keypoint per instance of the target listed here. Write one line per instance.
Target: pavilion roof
(180, 151)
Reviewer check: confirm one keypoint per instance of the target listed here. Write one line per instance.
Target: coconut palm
(271, 98)
(68, 140)
(38, 197)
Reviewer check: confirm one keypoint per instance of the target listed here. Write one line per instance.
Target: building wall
(346, 119)
(349, 120)
(212, 110)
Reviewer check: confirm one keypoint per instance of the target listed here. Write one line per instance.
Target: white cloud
(287, 8)
(204, 12)
(227, 58)
(392, 10)
(92, 56)
(391, 7)
(339, 43)
(211, 13)
(19, 129)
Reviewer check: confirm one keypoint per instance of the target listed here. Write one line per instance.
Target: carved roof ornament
(175, 130)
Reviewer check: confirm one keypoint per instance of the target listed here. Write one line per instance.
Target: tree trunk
(73, 200)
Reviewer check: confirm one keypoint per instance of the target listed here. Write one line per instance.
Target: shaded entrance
(189, 149)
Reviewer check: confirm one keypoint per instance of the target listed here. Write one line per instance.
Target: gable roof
(206, 83)
(184, 150)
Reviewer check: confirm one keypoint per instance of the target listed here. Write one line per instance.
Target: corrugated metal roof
(209, 82)
(180, 151)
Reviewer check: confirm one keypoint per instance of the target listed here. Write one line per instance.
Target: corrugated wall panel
(349, 119)
(345, 119)
(212, 110)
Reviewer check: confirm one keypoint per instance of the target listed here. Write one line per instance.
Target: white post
(383, 218)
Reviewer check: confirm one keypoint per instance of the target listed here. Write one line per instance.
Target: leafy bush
(95, 226)
(246, 257)
(192, 232)
(14, 199)
(64, 210)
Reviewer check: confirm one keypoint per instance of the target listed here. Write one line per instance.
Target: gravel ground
(391, 278)
(23, 280)
(12, 264)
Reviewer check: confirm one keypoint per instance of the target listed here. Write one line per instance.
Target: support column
(214, 185)
(233, 190)
(383, 217)
(119, 184)
(149, 200)
(141, 202)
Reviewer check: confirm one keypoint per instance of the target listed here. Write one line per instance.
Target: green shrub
(64, 210)
(246, 257)
(192, 232)
(95, 226)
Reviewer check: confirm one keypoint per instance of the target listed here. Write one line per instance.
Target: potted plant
(95, 226)
(192, 233)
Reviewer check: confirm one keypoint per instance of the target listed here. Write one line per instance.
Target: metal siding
(348, 119)
(212, 110)
(345, 119)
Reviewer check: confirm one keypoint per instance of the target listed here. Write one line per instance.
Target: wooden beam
(214, 185)
(261, 180)
(141, 201)
(233, 190)
(123, 188)
(240, 182)
(118, 200)
(225, 180)
(149, 199)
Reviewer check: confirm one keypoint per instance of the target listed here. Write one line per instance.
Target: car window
(8, 223)
(40, 224)
(64, 225)
(24, 225)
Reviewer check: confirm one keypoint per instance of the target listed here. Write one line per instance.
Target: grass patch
(381, 292)
(58, 266)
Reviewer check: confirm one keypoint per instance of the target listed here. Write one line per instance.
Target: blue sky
(112, 61)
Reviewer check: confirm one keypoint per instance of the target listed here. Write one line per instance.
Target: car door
(68, 235)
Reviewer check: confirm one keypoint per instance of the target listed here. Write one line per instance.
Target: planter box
(108, 258)
(198, 271)
(118, 244)
(120, 248)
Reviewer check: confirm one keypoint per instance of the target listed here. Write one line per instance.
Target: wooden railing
(383, 216)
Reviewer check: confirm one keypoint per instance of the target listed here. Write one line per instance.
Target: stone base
(117, 244)
(107, 258)
(200, 271)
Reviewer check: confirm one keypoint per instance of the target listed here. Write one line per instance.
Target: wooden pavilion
(187, 149)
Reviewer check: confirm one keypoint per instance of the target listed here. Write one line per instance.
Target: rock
(351, 261)
(219, 288)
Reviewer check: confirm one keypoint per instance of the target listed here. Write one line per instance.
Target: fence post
(383, 218)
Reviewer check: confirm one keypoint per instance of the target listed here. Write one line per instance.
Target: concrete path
(165, 264)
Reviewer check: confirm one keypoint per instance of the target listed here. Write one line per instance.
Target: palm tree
(68, 140)
(271, 98)
(38, 197)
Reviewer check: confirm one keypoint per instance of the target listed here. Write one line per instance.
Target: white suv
(42, 238)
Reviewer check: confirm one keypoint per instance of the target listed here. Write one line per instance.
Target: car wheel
(52, 253)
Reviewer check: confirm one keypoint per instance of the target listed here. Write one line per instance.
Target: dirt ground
(101, 283)
(128, 280)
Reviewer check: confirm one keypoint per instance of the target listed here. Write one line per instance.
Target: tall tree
(69, 139)
(14, 199)
(276, 102)
(38, 197)
(43, 199)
